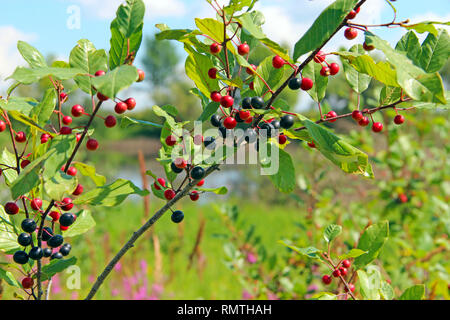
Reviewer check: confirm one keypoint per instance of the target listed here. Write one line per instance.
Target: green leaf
(309, 252)
(284, 178)
(44, 110)
(56, 266)
(197, 66)
(271, 75)
(389, 95)
(83, 224)
(207, 113)
(118, 79)
(324, 26)
(9, 159)
(19, 104)
(31, 55)
(416, 292)
(8, 237)
(372, 241)
(425, 26)
(85, 57)
(353, 253)
(219, 191)
(370, 283)
(358, 81)
(126, 32)
(331, 232)
(90, 172)
(435, 51)
(386, 291)
(426, 105)
(27, 121)
(9, 278)
(127, 121)
(110, 195)
(59, 185)
(29, 76)
(214, 29)
(410, 45)
(318, 91)
(63, 147)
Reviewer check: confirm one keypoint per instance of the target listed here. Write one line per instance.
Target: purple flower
(251, 258)
(246, 295)
(312, 288)
(157, 289)
(118, 267)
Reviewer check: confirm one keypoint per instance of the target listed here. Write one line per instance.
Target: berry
(56, 255)
(63, 97)
(2, 126)
(334, 69)
(55, 241)
(377, 127)
(11, 208)
(364, 122)
(28, 225)
(44, 138)
(215, 120)
(216, 96)
(244, 115)
(332, 114)
(20, 137)
(67, 120)
(162, 182)
(249, 120)
(62, 228)
(66, 204)
(120, 107)
(24, 163)
(351, 15)
(169, 194)
(100, 73)
(278, 62)
(92, 144)
(215, 48)
(47, 252)
(212, 73)
(198, 140)
(65, 249)
(55, 215)
(250, 135)
(336, 273)
(141, 75)
(65, 131)
(194, 195)
(325, 71)
(24, 239)
(180, 163)
(326, 279)
(351, 286)
(311, 144)
(102, 97)
(243, 49)
(346, 263)
(251, 85)
(110, 121)
(171, 141)
(247, 103)
(287, 121)
(350, 33)
(78, 137)
(227, 101)
(282, 139)
(198, 173)
(47, 233)
(201, 183)
(275, 123)
(20, 257)
(72, 171)
(230, 123)
(368, 47)
(403, 198)
(131, 103)
(320, 57)
(67, 219)
(267, 129)
(210, 143)
(175, 169)
(357, 115)
(36, 253)
(251, 70)
(343, 271)
(257, 102)
(295, 83)
(77, 111)
(307, 84)
(36, 204)
(27, 283)
(177, 216)
(399, 119)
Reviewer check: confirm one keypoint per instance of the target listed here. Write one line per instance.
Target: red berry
(282, 139)
(402, 198)
(351, 286)
(79, 190)
(399, 119)
(251, 85)
(243, 49)
(278, 62)
(72, 171)
(364, 122)
(326, 279)
(27, 283)
(244, 115)
(131, 103)
(251, 70)
(45, 137)
(377, 127)
(334, 69)
(216, 96)
(102, 97)
(194, 195)
(307, 84)
(78, 137)
(11, 208)
(311, 144)
(343, 271)
(180, 163)
(227, 101)
(357, 115)
(169, 194)
(36, 204)
(63, 97)
(198, 140)
(352, 14)
(350, 33)
(55, 215)
(325, 71)
(346, 263)
(212, 73)
(320, 57)
(332, 114)
(67, 120)
(230, 123)
(2, 126)
(110, 121)
(171, 141)
(336, 273)
(141, 75)
(249, 120)
(20, 137)
(92, 144)
(367, 47)
(66, 204)
(215, 48)
(63, 228)
(100, 73)
(24, 163)
(162, 182)
(77, 111)
(201, 183)
(65, 130)
(357, 10)
(120, 107)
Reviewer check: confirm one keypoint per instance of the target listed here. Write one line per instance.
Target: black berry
(247, 103)
(36, 253)
(67, 219)
(198, 173)
(47, 252)
(295, 83)
(215, 120)
(29, 225)
(177, 216)
(210, 143)
(257, 102)
(47, 233)
(56, 255)
(20, 257)
(65, 249)
(175, 169)
(24, 239)
(287, 121)
(55, 241)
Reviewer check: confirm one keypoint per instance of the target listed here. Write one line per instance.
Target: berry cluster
(341, 270)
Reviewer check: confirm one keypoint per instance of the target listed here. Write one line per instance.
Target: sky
(49, 24)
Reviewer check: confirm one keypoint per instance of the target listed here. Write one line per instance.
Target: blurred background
(227, 248)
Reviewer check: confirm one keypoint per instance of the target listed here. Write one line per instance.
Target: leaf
(44, 110)
(386, 291)
(358, 81)
(19, 104)
(10, 160)
(271, 75)
(56, 266)
(353, 253)
(83, 224)
(197, 66)
(425, 26)
(370, 283)
(410, 45)
(8, 237)
(207, 113)
(416, 292)
(219, 191)
(27, 121)
(110, 195)
(85, 57)
(372, 241)
(309, 252)
(126, 32)
(331, 232)
(389, 95)
(59, 185)
(312, 71)
(31, 55)
(118, 79)
(435, 51)
(214, 29)
(29, 76)
(127, 121)
(63, 147)
(9, 278)
(324, 26)
(284, 177)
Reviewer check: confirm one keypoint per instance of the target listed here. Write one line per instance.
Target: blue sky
(43, 23)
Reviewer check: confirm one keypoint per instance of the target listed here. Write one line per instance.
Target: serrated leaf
(31, 55)
(59, 185)
(370, 283)
(416, 292)
(331, 232)
(116, 80)
(219, 191)
(29, 76)
(309, 252)
(83, 224)
(353, 253)
(44, 110)
(56, 266)
(8, 237)
(271, 75)
(207, 113)
(435, 51)
(9, 159)
(9, 278)
(284, 178)
(358, 81)
(63, 147)
(372, 241)
(197, 66)
(410, 45)
(127, 121)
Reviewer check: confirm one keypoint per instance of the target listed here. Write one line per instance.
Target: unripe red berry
(162, 182)
(251, 85)
(131, 103)
(307, 84)
(77, 111)
(180, 163)
(331, 114)
(169, 194)
(63, 228)
(251, 70)
(249, 120)
(198, 140)
(141, 75)
(399, 119)
(11, 208)
(27, 283)
(230, 123)
(319, 57)
(351, 15)
(65, 131)
(243, 49)
(72, 171)
(194, 195)
(216, 96)
(212, 73)
(326, 279)
(336, 273)
(215, 48)
(120, 107)
(36, 204)
(325, 71)
(351, 286)
(20, 137)
(368, 47)
(78, 137)
(92, 144)
(63, 97)
(311, 144)
(350, 33)
(2, 126)
(201, 183)
(102, 97)
(110, 121)
(334, 69)
(227, 101)
(25, 164)
(282, 139)
(346, 263)
(377, 127)
(357, 115)
(55, 215)
(403, 198)
(244, 115)
(66, 204)
(171, 140)
(343, 271)
(67, 120)
(364, 122)
(100, 73)
(45, 137)
(278, 62)
(79, 190)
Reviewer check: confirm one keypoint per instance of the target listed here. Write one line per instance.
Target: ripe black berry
(247, 103)
(29, 225)
(215, 120)
(20, 257)
(295, 83)
(224, 132)
(238, 117)
(250, 135)
(56, 255)
(65, 249)
(55, 241)
(36, 253)
(257, 102)
(47, 252)
(24, 239)
(175, 169)
(267, 129)
(287, 121)
(198, 173)
(177, 216)
(276, 124)
(47, 233)
(67, 219)
(210, 143)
